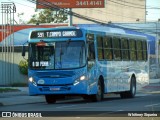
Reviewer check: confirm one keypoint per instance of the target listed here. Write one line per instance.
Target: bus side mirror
(23, 51)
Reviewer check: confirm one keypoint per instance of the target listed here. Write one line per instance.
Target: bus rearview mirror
(23, 51)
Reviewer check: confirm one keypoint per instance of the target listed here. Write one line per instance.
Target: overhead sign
(41, 4)
(56, 34)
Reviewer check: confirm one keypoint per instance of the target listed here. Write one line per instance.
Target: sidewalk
(22, 97)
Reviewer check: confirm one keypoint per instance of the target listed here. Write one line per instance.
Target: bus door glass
(91, 51)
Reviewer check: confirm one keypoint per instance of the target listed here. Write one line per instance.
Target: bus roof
(113, 32)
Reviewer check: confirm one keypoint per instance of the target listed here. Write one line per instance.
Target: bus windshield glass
(57, 55)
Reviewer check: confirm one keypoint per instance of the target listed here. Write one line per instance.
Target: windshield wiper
(68, 41)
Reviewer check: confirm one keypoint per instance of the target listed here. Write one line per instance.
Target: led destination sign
(56, 34)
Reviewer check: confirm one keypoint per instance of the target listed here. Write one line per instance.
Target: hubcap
(99, 93)
(133, 89)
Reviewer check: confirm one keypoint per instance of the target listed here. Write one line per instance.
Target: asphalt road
(111, 106)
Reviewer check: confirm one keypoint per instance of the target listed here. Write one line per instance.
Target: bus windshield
(57, 55)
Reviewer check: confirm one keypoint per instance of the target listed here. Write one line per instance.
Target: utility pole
(145, 11)
(70, 17)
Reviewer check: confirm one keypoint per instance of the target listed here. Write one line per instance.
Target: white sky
(22, 6)
(153, 14)
(28, 8)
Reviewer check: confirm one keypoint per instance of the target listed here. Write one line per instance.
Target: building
(114, 11)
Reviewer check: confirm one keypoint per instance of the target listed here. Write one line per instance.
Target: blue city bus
(87, 62)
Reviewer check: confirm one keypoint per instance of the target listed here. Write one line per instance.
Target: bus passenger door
(91, 66)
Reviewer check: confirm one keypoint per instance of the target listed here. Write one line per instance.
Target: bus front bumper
(74, 89)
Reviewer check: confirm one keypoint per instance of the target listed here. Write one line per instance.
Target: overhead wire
(113, 14)
(148, 7)
(108, 13)
(99, 10)
(130, 5)
(54, 7)
(92, 10)
(20, 3)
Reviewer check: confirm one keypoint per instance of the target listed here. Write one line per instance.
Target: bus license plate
(54, 89)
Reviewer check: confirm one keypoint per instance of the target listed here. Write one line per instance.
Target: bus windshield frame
(57, 55)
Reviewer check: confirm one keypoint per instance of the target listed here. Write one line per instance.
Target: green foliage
(23, 67)
(48, 16)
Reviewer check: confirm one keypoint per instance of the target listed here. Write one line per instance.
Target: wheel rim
(99, 92)
(133, 88)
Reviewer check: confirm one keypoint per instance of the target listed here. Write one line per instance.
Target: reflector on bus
(41, 44)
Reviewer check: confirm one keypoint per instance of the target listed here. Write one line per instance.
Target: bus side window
(144, 45)
(132, 48)
(125, 49)
(108, 50)
(139, 50)
(116, 49)
(100, 48)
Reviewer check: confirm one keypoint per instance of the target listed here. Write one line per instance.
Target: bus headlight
(83, 77)
(31, 79)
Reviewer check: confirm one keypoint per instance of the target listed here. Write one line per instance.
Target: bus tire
(99, 96)
(132, 92)
(86, 97)
(50, 99)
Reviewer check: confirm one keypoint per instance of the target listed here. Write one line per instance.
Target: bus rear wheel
(50, 99)
(132, 92)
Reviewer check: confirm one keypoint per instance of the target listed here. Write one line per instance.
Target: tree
(49, 16)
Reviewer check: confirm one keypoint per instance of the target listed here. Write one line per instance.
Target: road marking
(105, 112)
(142, 94)
(152, 105)
(116, 111)
(68, 106)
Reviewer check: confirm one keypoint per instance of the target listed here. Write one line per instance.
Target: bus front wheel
(99, 96)
(50, 99)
